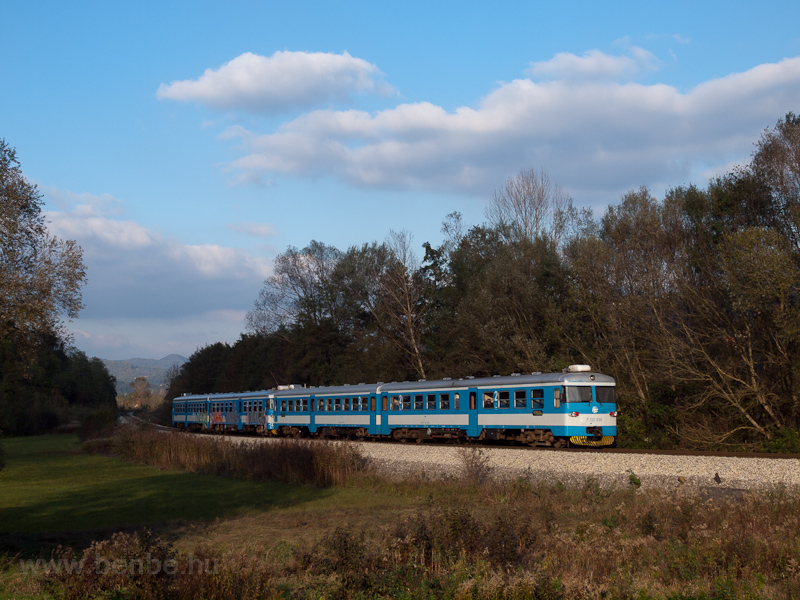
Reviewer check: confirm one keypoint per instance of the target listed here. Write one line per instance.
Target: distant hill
(127, 370)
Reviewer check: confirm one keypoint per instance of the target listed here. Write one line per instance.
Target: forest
(690, 301)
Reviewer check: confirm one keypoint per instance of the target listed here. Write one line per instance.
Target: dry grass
(285, 461)
(477, 539)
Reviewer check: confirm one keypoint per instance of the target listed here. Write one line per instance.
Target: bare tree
(396, 297)
(299, 289)
(530, 205)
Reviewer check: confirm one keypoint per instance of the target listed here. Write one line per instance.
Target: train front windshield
(603, 394)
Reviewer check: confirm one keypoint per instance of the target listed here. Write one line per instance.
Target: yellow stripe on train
(607, 440)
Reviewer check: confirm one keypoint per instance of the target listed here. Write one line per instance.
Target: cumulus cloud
(282, 82)
(148, 294)
(594, 64)
(598, 136)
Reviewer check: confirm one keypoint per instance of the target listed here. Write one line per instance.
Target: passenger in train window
(321, 405)
(395, 402)
(329, 405)
(488, 400)
(283, 406)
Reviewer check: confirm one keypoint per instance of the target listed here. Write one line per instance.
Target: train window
(283, 406)
(444, 401)
(291, 405)
(578, 393)
(604, 394)
(406, 399)
(504, 398)
(304, 405)
(537, 398)
(520, 400)
(329, 404)
(395, 402)
(321, 405)
(431, 401)
(488, 400)
(346, 405)
(418, 404)
(337, 404)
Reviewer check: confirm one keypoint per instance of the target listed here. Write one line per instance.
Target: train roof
(583, 377)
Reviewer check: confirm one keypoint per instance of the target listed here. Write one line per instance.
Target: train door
(472, 411)
(312, 412)
(381, 414)
(373, 415)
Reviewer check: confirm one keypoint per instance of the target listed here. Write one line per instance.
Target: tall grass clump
(286, 461)
(475, 467)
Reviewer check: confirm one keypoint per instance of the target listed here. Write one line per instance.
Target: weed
(633, 479)
(476, 467)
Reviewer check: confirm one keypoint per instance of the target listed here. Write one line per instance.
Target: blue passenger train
(575, 407)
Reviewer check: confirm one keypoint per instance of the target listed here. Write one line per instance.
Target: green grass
(49, 486)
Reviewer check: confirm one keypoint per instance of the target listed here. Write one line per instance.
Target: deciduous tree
(40, 275)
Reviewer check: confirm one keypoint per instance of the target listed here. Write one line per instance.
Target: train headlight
(574, 414)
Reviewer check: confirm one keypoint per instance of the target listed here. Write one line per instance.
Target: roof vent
(579, 369)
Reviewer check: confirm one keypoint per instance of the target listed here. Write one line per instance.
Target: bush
(784, 441)
(129, 564)
(98, 423)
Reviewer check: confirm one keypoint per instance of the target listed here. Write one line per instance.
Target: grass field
(49, 487)
(363, 538)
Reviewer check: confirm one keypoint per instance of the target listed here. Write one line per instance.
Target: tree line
(44, 382)
(690, 301)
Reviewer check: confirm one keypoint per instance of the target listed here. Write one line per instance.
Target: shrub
(784, 441)
(98, 423)
(129, 564)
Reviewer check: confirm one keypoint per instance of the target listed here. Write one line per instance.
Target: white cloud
(594, 64)
(278, 83)
(599, 137)
(148, 294)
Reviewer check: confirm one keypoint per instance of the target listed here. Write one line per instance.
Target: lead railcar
(576, 406)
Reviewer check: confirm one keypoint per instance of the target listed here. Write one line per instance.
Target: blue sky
(185, 144)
